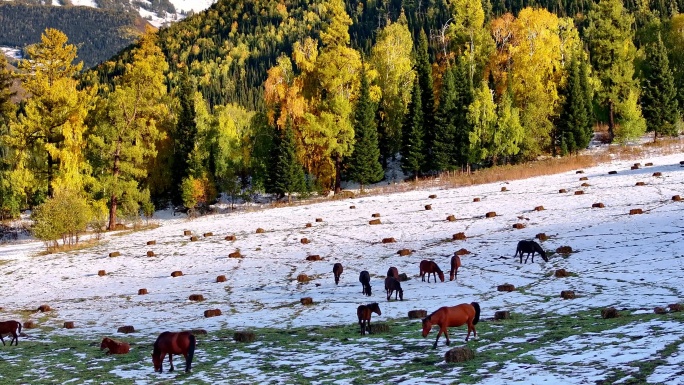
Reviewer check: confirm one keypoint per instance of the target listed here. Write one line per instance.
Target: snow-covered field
(627, 261)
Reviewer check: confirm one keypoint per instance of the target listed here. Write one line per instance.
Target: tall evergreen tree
(445, 126)
(574, 124)
(289, 174)
(424, 71)
(9, 197)
(7, 107)
(364, 163)
(186, 131)
(413, 148)
(659, 99)
(463, 97)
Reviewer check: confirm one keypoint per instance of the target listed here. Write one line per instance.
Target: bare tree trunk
(611, 121)
(338, 176)
(113, 200)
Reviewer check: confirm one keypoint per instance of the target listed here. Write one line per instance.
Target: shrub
(64, 216)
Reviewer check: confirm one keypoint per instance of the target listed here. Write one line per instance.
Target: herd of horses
(184, 343)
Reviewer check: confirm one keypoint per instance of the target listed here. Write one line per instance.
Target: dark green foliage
(99, 34)
(413, 149)
(424, 72)
(443, 149)
(574, 125)
(186, 132)
(659, 99)
(263, 143)
(463, 96)
(364, 164)
(288, 173)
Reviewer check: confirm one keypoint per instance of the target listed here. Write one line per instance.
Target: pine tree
(424, 71)
(445, 128)
(574, 125)
(364, 164)
(186, 131)
(6, 106)
(659, 100)
(413, 149)
(463, 97)
(289, 174)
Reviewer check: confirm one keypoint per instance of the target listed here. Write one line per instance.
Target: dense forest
(98, 34)
(291, 97)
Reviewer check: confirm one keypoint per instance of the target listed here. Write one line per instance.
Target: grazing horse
(393, 285)
(455, 264)
(445, 317)
(10, 327)
(173, 343)
(393, 272)
(115, 347)
(364, 312)
(364, 278)
(530, 247)
(337, 270)
(430, 267)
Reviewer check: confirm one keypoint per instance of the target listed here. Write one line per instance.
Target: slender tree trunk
(50, 163)
(113, 200)
(611, 121)
(338, 176)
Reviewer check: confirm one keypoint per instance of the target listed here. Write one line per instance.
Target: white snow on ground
(621, 260)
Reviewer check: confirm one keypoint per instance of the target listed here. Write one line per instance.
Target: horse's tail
(477, 312)
(191, 349)
(19, 327)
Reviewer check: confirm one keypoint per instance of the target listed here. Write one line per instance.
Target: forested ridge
(291, 97)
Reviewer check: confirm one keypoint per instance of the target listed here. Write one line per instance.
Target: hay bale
(564, 250)
(476, 199)
(352, 207)
(637, 165)
(126, 329)
(675, 307)
(579, 192)
(212, 313)
(404, 252)
(579, 172)
(658, 173)
(598, 205)
(507, 287)
(194, 238)
(560, 273)
(306, 301)
(417, 314)
(260, 230)
(187, 232)
(114, 254)
(209, 234)
(314, 257)
(659, 310)
(304, 241)
(504, 189)
(119, 226)
(634, 168)
(502, 314)
(428, 207)
(379, 327)
(308, 225)
(244, 336)
(542, 237)
(319, 219)
(609, 312)
(374, 222)
(562, 191)
(585, 184)
(460, 354)
(460, 252)
(375, 215)
(221, 278)
(150, 243)
(519, 226)
(69, 325)
(676, 198)
(649, 164)
(459, 237)
(303, 278)
(681, 162)
(150, 253)
(403, 277)
(568, 294)
(388, 240)
(177, 273)
(29, 325)
(196, 297)
(583, 178)
(612, 172)
(636, 211)
(539, 208)
(451, 218)
(433, 196)
(101, 273)
(490, 214)
(44, 308)
(235, 254)
(229, 238)
(640, 184)
(142, 291)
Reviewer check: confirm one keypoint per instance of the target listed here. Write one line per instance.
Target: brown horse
(445, 317)
(173, 343)
(337, 270)
(393, 272)
(529, 247)
(393, 285)
(10, 327)
(455, 264)
(430, 267)
(364, 312)
(115, 347)
(364, 278)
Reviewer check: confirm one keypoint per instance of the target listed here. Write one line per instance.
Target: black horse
(337, 270)
(530, 247)
(393, 286)
(364, 278)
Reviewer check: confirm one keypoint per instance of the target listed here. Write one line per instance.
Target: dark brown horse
(393, 285)
(529, 247)
(455, 264)
(173, 343)
(430, 267)
(337, 270)
(10, 327)
(446, 317)
(393, 272)
(364, 278)
(364, 312)
(114, 347)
